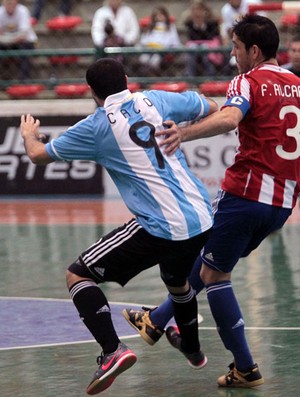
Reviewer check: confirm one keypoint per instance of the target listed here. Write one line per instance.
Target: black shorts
(128, 250)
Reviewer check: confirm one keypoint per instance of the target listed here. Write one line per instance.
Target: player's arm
(213, 106)
(215, 124)
(34, 146)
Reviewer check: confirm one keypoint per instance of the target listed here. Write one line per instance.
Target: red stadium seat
(24, 90)
(145, 21)
(63, 59)
(71, 90)
(214, 88)
(64, 22)
(33, 21)
(289, 19)
(170, 86)
(133, 87)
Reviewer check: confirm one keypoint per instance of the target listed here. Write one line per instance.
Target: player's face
(294, 54)
(243, 57)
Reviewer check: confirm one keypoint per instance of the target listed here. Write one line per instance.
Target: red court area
(75, 212)
(63, 211)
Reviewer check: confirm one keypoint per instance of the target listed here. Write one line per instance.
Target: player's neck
(271, 61)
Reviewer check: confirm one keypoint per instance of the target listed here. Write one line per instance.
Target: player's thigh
(240, 225)
(177, 263)
(119, 256)
(269, 220)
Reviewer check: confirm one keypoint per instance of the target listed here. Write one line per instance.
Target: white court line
(200, 318)
(67, 300)
(62, 344)
(138, 336)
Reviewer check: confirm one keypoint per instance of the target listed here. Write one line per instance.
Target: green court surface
(34, 257)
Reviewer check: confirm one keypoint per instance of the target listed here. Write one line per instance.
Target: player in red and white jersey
(266, 166)
(258, 192)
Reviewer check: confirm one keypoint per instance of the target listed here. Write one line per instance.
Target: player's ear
(256, 51)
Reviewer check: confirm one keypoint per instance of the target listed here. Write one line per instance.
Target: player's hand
(172, 137)
(30, 127)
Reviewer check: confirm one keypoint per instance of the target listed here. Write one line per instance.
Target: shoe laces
(100, 358)
(148, 309)
(230, 376)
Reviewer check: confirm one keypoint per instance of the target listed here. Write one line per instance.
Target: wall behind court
(208, 158)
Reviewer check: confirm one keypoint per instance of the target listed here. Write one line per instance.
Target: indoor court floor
(46, 351)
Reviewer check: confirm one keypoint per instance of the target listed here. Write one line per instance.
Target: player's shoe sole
(110, 366)
(196, 360)
(235, 378)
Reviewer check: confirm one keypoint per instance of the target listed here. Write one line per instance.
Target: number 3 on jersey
(292, 132)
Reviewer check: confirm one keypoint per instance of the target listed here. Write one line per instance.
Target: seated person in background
(230, 13)
(64, 8)
(115, 24)
(16, 32)
(161, 33)
(294, 55)
(202, 29)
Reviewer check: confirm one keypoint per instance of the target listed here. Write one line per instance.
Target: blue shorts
(240, 225)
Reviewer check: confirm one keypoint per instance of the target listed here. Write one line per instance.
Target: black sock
(186, 316)
(94, 311)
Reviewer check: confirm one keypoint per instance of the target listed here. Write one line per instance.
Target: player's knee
(76, 272)
(71, 278)
(209, 275)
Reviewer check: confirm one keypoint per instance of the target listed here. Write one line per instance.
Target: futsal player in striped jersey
(257, 195)
(171, 207)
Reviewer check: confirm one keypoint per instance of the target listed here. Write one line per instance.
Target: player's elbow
(213, 106)
(231, 118)
(38, 157)
(35, 159)
(229, 124)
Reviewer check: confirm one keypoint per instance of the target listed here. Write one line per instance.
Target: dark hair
(159, 10)
(295, 38)
(106, 77)
(261, 31)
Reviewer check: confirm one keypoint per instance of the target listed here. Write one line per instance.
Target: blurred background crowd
(189, 40)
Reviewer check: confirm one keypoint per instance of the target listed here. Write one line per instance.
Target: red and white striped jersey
(267, 162)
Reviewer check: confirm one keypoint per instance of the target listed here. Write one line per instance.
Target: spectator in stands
(16, 32)
(230, 13)
(202, 29)
(161, 33)
(64, 8)
(115, 24)
(294, 55)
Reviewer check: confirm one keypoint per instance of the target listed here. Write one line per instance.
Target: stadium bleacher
(64, 51)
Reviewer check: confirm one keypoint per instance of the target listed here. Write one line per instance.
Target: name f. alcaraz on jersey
(161, 191)
(267, 162)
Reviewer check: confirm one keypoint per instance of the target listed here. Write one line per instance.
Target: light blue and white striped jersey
(168, 200)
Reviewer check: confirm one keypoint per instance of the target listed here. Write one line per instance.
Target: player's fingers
(169, 123)
(171, 127)
(171, 149)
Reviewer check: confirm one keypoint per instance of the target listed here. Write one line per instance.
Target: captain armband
(240, 102)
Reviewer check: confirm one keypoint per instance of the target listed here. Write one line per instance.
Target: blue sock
(230, 323)
(163, 314)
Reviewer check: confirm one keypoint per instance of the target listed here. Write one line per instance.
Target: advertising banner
(18, 176)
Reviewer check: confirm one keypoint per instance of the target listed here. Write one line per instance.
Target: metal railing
(75, 73)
